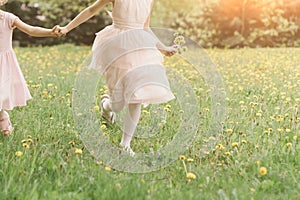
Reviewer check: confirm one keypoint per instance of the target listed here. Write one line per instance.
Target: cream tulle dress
(128, 57)
(13, 88)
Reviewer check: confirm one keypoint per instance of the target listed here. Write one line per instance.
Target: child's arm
(166, 50)
(85, 15)
(34, 31)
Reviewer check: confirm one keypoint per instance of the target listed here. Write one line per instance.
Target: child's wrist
(67, 29)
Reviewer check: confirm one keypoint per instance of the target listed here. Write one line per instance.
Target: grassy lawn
(256, 158)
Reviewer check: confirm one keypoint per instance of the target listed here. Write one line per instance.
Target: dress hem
(151, 101)
(15, 106)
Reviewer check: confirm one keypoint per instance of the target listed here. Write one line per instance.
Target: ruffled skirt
(13, 88)
(132, 67)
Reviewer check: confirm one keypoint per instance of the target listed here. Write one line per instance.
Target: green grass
(261, 130)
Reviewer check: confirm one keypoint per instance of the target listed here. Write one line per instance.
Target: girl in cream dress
(129, 56)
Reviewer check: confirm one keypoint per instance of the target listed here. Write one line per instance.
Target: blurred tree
(212, 23)
(165, 12)
(237, 23)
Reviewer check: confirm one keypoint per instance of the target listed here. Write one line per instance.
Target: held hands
(59, 31)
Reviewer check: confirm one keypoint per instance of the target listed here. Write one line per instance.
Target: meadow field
(257, 156)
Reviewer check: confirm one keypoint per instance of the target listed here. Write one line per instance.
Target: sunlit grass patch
(257, 156)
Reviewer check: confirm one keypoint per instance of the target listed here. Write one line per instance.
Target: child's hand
(169, 51)
(59, 31)
(55, 31)
(63, 31)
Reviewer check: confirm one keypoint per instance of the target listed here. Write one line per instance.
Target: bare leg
(5, 124)
(130, 122)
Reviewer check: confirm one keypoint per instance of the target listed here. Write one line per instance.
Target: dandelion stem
(184, 165)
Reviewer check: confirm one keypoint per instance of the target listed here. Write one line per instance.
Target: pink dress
(128, 57)
(13, 89)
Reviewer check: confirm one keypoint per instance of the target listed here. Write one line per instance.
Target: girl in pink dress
(13, 89)
(129, 56)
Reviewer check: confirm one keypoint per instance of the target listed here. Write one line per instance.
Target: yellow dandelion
(107, 168)
(263, 170)
(229, 130)
(105, 134)
(244, 108)
(235, 144)
(118, 186)
(100, 162)
(253, 104)
(45, 92)
(289, 144)
(280, 130)
(270, 130)
(78, 151)
(191, 175)
(30, 140)
(167, 109)
(258, 114)
(295, 137)
(220, 146)
(244, 141)
(96, 108)
(25, 145)
(227, 153)
(182, 157)
(168, 106)
(287, 130)
(190, 160)
(19, 153)
(280, 118)
(257, 162)
(105, 87)
(103, 126)
(72, 143)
